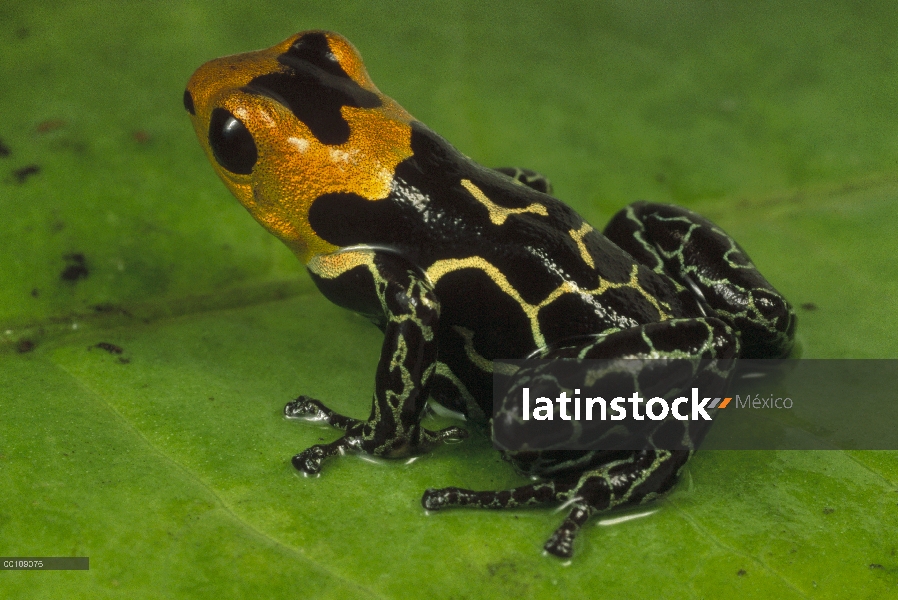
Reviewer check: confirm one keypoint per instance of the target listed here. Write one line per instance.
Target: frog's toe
(309, 461)
(434, 499)
(560, 545)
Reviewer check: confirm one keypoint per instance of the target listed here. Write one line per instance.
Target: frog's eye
(232, 143)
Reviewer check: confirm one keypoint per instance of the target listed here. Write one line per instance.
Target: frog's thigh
(701, 257)
(531, 179)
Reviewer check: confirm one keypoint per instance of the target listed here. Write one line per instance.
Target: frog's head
(286, 125)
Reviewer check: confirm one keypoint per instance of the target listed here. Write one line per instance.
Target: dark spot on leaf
(25, 345)
(76, 269)
(4, 150)
(741, 573)
(211, 398)
(809, 306)
(22, 33)
(876, 566)
(35, 293)
(25, 172)
(110, 348)
(109, 308)
(50, 125)
(141, 137)
(828, 510)
(502, 568)
(124, 361)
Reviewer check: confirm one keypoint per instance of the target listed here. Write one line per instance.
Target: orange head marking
(286, 125)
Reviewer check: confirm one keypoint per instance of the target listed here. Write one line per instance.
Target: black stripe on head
(312, 48)
(315, 87)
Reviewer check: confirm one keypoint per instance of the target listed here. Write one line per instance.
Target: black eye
(232, 144)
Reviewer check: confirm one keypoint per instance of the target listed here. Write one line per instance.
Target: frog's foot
(561, 542)
(309, 460)
(310, 409)
(360, 438)
(531, 179)
(622, 483)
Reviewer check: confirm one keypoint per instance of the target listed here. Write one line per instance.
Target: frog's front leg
(591, 481)
(390, 290)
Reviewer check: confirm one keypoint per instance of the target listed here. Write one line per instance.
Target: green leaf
(168, 463)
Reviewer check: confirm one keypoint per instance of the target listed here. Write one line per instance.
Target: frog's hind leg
(709, 264)
(310, 409)
(588, 481)
(637, 478)
(531, 179)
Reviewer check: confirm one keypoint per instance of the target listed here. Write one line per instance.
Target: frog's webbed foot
(310, 409)
(641, 477)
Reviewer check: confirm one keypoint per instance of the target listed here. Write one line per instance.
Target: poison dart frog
(459, 264)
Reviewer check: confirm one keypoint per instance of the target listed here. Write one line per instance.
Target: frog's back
(514, 269)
